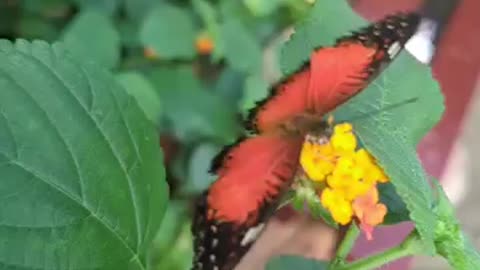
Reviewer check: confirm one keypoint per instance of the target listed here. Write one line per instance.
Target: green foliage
(83, 186)
(144, 92)
(81, 176)
(241, 50)
(169, 30)
(450, 241)
(103, 44)
(192, 111)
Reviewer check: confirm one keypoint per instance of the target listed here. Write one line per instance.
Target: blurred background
(196, 66)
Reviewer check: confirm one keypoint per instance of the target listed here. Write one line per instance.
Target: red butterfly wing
(251, 173)
(286, 99)
(335, 74)
(251, 178)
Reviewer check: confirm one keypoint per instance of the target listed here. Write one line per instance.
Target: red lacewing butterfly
(254, 172)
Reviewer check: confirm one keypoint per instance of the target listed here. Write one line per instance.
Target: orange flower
(369, 212)
(204, 44)
(150, 53)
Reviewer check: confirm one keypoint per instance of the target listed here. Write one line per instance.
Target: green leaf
(256, 88)
(46, 7)
(144, 92)
(82, 181)
(230, 86)
(450, 241)
(33, 27)
(241, 49)
(397, 210)
(171, 227)
(192, 111)
(108, 7)
(261, 7)
(199, 177)
(91, 35)
(390, 134)
(293, 262)
(169, 30)
(137, 9)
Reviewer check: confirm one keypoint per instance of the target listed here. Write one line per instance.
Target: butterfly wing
(252, 175)
(334, 74)
(341, 72)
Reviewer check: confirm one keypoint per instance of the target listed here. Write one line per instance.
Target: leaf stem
(410, 246)
(346, 245)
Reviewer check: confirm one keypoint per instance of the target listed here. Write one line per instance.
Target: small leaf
(82, 175)
(256, 88)
(391, 135)
(230, 86)
(293, 262)
(201, 158)
(91, 35)
(144, 92)
(450, 241)
(261, 7)
(169, 31)
(107, 7)
(31, 27)
(241, 49)
(192, 111)
(138, 9)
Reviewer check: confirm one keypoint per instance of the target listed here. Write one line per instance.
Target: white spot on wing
(252, 234)
(394, 49)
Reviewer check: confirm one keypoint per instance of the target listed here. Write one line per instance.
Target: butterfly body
(255, 172)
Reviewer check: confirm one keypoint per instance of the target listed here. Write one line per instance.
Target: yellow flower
(317, 160)
(351, 177)
(343, 139)
(339, 207)
(373, 172)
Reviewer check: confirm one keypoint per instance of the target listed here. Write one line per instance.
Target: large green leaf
(140, 87)
(391, 134)
(82, 179)
(169, 30)
(293, 262)
(91, 35)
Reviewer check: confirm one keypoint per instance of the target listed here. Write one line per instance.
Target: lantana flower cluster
(348, 177)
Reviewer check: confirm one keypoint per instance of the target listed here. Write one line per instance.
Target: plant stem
(410, 246)
(346, 245)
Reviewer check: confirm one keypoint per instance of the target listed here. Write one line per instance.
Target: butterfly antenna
(383, 109)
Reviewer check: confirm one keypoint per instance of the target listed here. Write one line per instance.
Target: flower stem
(346, 245)
(410, 246)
